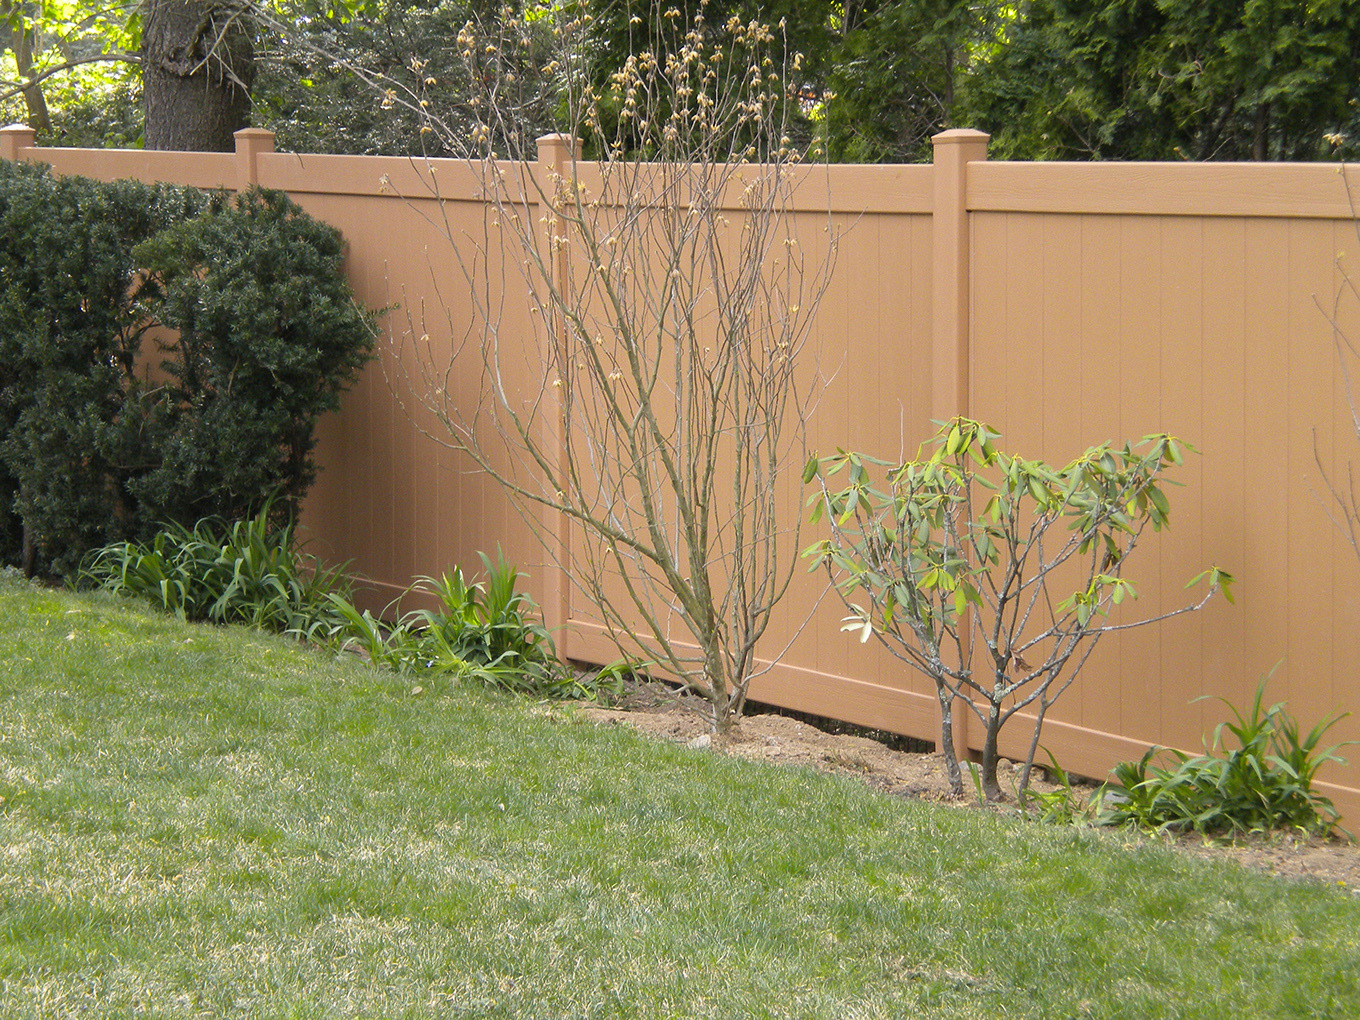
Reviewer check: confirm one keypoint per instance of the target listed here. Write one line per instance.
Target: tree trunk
(34, 100)
(198, 63)
(1260, 142)
(951, 761)
(991, 789)
(20, 43)
(28, 558)
(715, 676)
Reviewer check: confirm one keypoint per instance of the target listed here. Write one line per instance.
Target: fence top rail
(410, 177)
(196, 169)
(848, 189)
(1271, 190)
(886, 189)
(1292, 190)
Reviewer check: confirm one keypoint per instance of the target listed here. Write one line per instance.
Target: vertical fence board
(1265, 565)
(1098, 295)
(1223, 455)
(1175, 555)
(1308, 533)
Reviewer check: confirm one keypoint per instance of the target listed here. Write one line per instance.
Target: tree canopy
(1049, 79)
(1171, 79)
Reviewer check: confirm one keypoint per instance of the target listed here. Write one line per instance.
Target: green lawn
(209, 822)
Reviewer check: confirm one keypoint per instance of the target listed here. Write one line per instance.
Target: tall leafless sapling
(1343, 492)
(662, 393)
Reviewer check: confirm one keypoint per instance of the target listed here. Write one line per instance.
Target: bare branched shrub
(659, 396)
(1343, 493)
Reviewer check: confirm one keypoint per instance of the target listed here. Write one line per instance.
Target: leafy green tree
(1170, 79)
(74, 65)
(1111, 79)
(318, 75)
(19, 41)
(69, 68)
(889, 81)
(315, 66)
(874, 80)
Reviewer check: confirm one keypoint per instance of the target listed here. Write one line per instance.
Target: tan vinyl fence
(1065, 304)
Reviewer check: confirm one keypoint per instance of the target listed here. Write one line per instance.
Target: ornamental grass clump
(484, 630)
(254, 573)
(248, 571)
(1265, 783)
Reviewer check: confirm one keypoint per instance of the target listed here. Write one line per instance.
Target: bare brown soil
(656, 710)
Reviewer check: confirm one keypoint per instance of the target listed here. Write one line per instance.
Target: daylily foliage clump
(991, 574)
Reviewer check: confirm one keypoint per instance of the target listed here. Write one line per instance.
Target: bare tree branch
(14, 88)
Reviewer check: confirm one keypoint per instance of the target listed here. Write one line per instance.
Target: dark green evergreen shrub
(70, 330)
(107, 433)
(269, 335)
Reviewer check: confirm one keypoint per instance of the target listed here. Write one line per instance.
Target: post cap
(559, 141)
(262, 137)
(960, 136)
(14, 138)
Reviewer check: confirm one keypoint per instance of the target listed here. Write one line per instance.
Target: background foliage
(1171, 79)
(1049, 79)
(366, 79)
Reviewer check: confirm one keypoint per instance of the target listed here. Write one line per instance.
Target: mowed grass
(209, 822)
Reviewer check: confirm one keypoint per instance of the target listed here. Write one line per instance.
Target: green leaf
(818, 550)
(1225, 581)
(953, 442)
(1158, 500)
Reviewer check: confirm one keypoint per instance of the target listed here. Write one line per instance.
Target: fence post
(951, 300)
(250, 142)
(14, 139)
(954, 150)
(557, 156)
